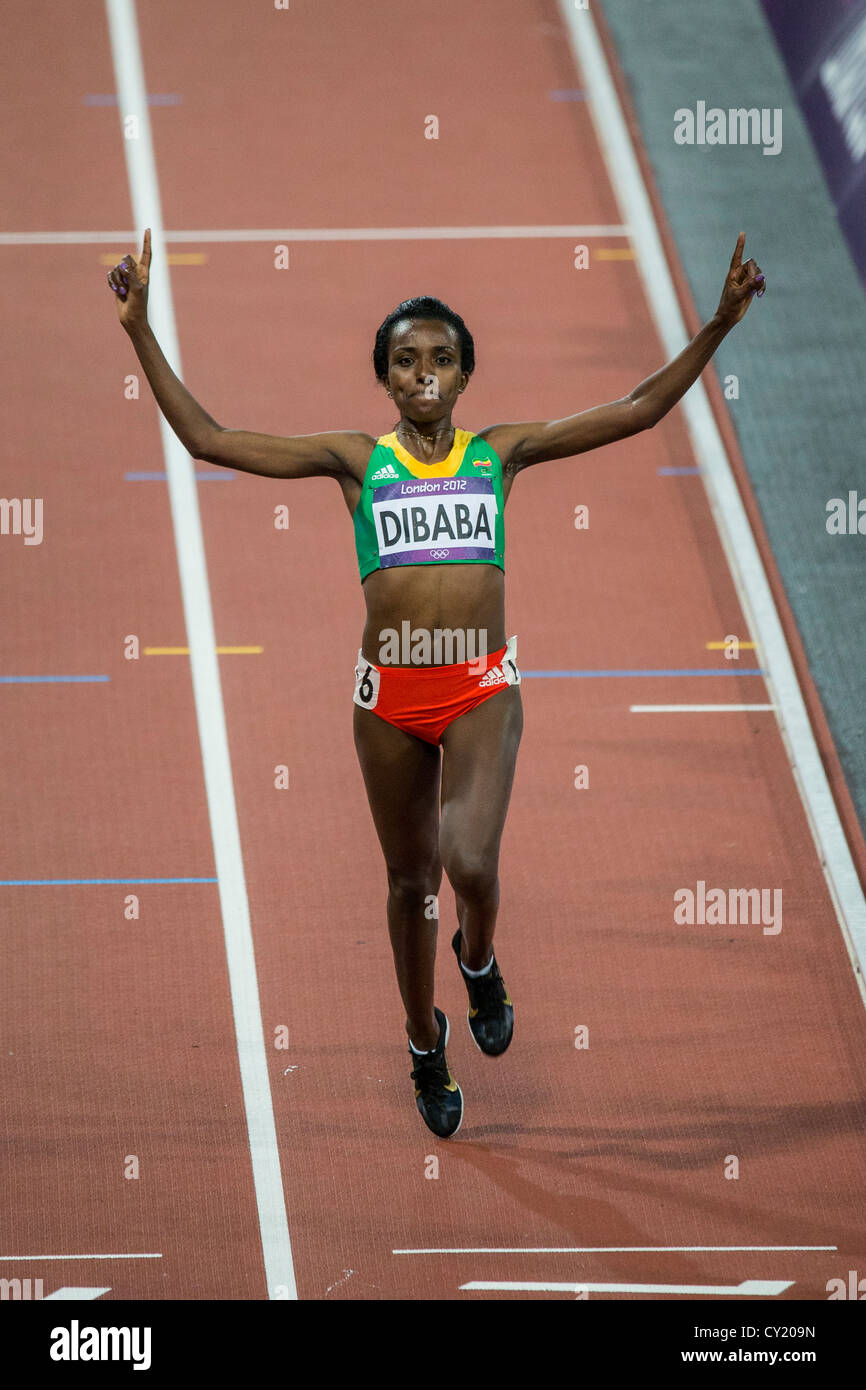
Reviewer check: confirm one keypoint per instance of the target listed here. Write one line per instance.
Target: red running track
(705, 1043)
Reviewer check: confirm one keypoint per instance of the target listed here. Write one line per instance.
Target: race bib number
(435, 519)
(366, 684)
(509, 662)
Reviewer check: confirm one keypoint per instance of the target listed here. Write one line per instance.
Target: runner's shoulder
(352, 450)
(503, 439)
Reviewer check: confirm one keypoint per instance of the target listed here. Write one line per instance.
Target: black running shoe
(437, 1095)
(491, 1012)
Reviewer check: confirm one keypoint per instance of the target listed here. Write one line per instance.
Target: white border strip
(320, 234)
(695, 709)
(4, 1258)
(732, 522)
(76, 1294)
(144, 191)
(749, 1288)
(602, 1249)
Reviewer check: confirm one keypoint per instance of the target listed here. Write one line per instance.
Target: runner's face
(424, 374)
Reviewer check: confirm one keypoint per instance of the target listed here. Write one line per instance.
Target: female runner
(427, 502)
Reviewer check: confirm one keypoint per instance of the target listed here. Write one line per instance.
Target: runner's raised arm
(334, 454)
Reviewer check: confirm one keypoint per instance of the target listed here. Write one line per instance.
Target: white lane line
(735, 532)
(749, 1288)
(4, 1258)
(267, 1178)
(693, 709)
(605, 1249)
(323, 234)
(71, 1294)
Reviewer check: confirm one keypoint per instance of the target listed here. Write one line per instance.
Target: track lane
(117, 1030)
(691, 1030)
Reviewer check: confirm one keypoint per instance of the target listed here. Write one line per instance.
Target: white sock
(476, 974)
(417, 1050)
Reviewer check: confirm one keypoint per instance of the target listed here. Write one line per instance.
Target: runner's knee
(473, 876)
(412, 887)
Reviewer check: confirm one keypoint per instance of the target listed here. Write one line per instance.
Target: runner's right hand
(129, 280)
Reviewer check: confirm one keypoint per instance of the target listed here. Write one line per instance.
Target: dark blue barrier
(823, 43)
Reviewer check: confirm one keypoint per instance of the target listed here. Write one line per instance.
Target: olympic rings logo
(439, 554)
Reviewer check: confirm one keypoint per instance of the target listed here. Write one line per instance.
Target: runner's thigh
(401, 775)
(479, 752)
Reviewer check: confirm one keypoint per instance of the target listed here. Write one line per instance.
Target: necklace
(428, 438)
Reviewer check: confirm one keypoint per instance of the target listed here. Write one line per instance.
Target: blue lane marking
(567, 94)
(60, 882)
(676, 472)
(153, 98)
(145, 476)
(701, 671)
(41, 680)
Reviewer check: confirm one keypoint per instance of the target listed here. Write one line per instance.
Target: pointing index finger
(145, 250)
(737, 258)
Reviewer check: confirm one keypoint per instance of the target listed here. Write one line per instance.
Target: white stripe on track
(76, 1294)
(267, 1177)
(4, 1258)
(321, 234)
(694, 709)
(749, 1288)
(732, 522)
(599, 1250)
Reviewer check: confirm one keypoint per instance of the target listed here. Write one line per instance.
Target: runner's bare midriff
(456, 597)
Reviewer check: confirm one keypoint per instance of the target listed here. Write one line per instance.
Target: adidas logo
(494, 677)
(389, 471)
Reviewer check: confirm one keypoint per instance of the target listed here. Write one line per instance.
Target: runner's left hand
(742, 283)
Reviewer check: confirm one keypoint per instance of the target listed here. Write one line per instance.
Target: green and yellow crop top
(448, 513)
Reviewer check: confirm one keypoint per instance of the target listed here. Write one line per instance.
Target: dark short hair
(424, 306)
